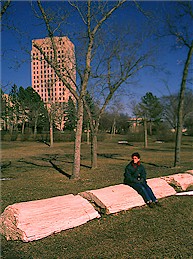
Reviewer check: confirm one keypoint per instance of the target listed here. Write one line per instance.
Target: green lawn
(164, 232)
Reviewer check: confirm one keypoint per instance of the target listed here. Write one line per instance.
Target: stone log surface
(33, 220)
(190, 172)
(114, 198)
(161, 188)
(185, 193)
(122, 197)
(183, 180)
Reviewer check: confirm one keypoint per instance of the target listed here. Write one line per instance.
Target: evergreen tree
(93, 110)
(4, 110)
(150, 109)
(14, 109)
(71, 115)
(37, 113)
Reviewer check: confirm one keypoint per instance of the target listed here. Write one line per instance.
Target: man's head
(135, 154)
(136, 157)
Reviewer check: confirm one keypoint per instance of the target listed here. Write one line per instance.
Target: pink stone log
(183, 180)
(160, 188)
(114, 198)
(190, 172)
(122, 197)
(189, 193)
(33, 220)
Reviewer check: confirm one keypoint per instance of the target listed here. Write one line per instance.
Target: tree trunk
(94, 150)
(23, 127)
(35, 127)
(11, 129)
(145, 133)
(51, 132)
(150, 128)
(77, 144)
(88, 134)
(114, 127)
(181, 108)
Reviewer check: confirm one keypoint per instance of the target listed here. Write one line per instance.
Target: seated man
(135, 176)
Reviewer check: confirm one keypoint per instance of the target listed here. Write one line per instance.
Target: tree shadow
(109, 155)
(46, 143)
(117, 156)
(31, 163)
(4, 165)
(60, 170)
(112, 156)
(82, 165)
(86, 166)
(50, 161)
(169, 149)
(165, 166)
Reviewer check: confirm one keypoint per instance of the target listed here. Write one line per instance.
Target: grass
(164, 232)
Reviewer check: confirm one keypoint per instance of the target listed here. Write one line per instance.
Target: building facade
(45, 82)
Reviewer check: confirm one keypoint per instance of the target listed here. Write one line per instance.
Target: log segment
(33, 220)
(183, 180)
(122, 197)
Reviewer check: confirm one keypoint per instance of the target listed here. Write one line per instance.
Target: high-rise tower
(44, 80)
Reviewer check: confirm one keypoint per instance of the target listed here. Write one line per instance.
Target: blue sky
(16, 46)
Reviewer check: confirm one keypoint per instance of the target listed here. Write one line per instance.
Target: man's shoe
(150, 204)
(157, 203)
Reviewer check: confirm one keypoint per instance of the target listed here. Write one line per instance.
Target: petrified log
(190, 172)
(160, 187)
(114, 198)
(122, 197)
(183, 180)
(189, 193)
(33, 220)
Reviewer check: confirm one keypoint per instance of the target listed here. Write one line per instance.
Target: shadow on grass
(43, 141)
(50, 161)
(58, 158)
(60, 170)
(5, 165)
(31, 163)
(117, 156)
(64, 173)
(169, 149)
(71, 162)
(111, 156)
(165, 166)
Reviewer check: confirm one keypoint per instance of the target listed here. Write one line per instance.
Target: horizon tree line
(23, 109)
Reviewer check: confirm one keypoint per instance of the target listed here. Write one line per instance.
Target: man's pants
(144, 190)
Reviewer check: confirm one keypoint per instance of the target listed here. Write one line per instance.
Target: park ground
(33, 170)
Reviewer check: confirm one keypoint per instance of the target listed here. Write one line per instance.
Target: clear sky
(16, 47)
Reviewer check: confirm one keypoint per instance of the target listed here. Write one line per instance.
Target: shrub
(165, 135)
(65, 136)
(135, 137)
(5, 136)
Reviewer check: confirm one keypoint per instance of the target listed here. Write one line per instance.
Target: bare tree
(119, 60)
(93, 20)
(181, 107)
(5, 5)
(170, 107)
(119, 71)
(180, 27)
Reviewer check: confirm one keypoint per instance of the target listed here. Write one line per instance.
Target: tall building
(44, 80)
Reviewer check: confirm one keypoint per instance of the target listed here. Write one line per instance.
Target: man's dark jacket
(134, 173)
